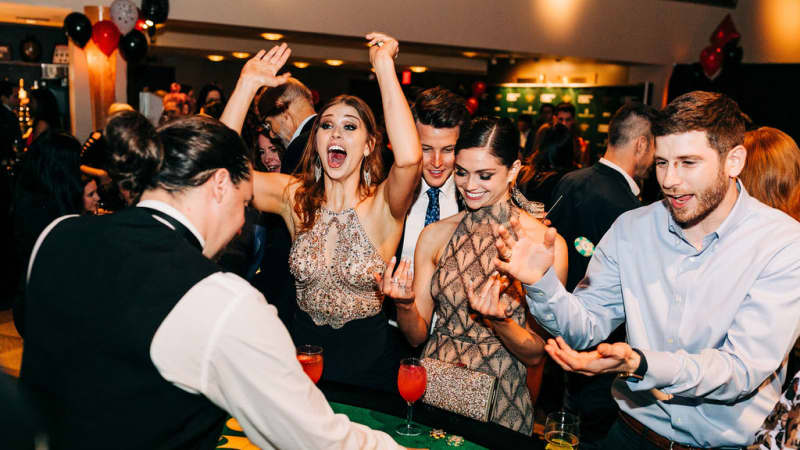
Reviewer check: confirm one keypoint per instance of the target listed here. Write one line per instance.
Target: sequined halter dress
(340, 302)
(460, 335)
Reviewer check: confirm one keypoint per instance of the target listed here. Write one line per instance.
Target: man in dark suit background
(591, 200)
(288, 113)
(9, 123)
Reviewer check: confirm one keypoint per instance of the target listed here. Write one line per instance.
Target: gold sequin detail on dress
(460, 335)
(333, 265)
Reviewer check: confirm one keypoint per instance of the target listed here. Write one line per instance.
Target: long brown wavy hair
(772, 170)
(310, 195)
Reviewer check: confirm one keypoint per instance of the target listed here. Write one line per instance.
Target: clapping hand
(488, 302)
(262, 69)
(523, 257)
(382, 46)
(399, 285)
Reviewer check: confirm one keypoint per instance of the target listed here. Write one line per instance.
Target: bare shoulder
(436, 235)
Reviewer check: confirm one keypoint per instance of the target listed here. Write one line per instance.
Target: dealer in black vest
(137, 340)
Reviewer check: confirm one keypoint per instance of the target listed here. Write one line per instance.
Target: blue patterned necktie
(432, 214)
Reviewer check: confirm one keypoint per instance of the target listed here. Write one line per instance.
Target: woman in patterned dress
(454, 267)
(345, 218)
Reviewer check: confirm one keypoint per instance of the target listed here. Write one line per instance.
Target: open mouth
(679, 201)
(336, 156)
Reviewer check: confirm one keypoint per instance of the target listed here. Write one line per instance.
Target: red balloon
(711, 60)
(725, 32)
(478, 88)
(140, 25)
(472, 105)
(106, 35)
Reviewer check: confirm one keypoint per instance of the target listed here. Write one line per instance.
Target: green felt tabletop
(233, 437)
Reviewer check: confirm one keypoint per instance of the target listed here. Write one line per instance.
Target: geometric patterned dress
(460, 335)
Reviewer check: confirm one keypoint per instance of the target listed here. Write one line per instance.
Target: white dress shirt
(300, 127)
(415, 221)
(222, 340)
(631, 182)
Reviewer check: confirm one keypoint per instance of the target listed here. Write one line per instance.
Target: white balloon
(124, 15)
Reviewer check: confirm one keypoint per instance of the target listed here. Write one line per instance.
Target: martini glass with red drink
(411, 381)
(310, 357)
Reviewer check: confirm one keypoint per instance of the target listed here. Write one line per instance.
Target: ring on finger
(379, 44)
(507, 255)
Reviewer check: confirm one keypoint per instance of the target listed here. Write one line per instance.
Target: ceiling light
(216, 58)
(418, 69)
(241, 55)
(300, 64)
(272, 36)
(334, 62)
(470, 54)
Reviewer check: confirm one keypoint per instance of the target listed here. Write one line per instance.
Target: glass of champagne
(411, 382)
(310, 357)
(561, 431)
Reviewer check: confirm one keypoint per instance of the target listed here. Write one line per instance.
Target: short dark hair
(623, 126)
(546, 105)
(180, 155)
(715, 114)
(525, 118)
(500, 135)
(51, 168)
(6, 88)
(565, 107)
(440, 108)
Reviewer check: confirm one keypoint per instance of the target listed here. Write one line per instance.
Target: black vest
(100, 288)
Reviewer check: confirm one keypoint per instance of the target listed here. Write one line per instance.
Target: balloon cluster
(478, 89)
(724, 50)
(125, 31)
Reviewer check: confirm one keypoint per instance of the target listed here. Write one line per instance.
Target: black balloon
(155, 10)
(732, 54)
(133, 46)
(78, 28)
(30, 49)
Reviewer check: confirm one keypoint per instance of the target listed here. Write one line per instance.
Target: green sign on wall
(594, 105)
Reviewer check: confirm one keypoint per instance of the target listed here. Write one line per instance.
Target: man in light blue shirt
(707, 282)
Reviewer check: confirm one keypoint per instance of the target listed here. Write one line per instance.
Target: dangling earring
(317, 169)
(367, 178)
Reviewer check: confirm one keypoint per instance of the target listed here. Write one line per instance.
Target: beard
(707, 202)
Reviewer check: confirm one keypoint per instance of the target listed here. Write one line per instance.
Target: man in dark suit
(591, 200)
(288, 113)
(9, 123)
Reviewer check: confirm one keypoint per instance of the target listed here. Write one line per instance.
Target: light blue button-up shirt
(715, 325)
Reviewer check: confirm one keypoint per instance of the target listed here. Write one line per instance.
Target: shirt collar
(175, 214)
(737, 214)
(631, 182)
(300, 128)
(448, 188)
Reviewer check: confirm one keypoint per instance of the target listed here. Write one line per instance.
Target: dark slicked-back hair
(716, 114)
(498, 135)
(440, 108)
(627, 123)
(565, 107)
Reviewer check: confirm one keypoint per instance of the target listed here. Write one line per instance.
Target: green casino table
(384, 411)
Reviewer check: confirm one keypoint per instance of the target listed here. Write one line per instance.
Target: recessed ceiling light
(241, 55)
(470, 54)
(418, 69)
(215, 58)
(300, 64)
(272, 36)
(334, 62)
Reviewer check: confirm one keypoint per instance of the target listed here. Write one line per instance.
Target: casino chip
(455, 441)
(584, 246)
(437, 433)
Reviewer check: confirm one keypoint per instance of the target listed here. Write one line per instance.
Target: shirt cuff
(662, 371)
(540, 293)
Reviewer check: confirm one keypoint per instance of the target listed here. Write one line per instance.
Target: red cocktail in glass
(310, 357)
(411, 382)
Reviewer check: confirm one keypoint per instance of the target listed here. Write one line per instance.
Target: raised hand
(382, 46)
(523, 257)
(488, 301)
(397, 286)
(262, 69)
